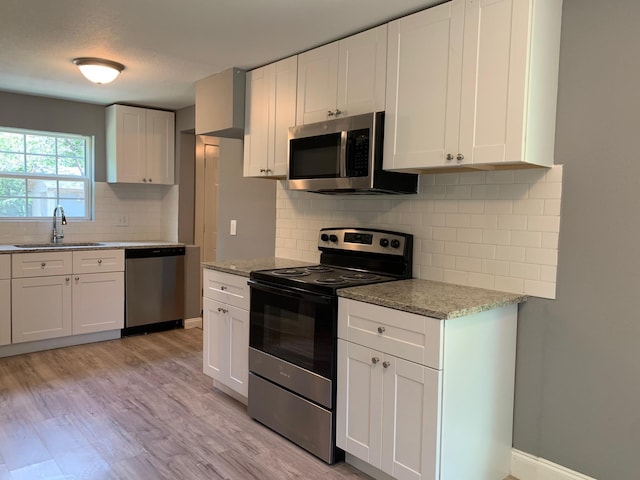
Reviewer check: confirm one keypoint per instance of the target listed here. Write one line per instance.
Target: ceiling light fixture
(98, 70)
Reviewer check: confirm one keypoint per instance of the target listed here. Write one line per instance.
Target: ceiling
(166, 45)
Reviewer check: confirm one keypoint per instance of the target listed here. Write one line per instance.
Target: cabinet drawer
(96, 261)
(405, 335)
(41, 264)
(5, 267)
(226, 288)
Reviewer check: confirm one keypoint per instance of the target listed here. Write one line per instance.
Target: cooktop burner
(319, 268)
(291, 272)
(359, 276)
(330, 281)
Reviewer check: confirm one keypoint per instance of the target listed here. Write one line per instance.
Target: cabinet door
(317, 84)
(215, 340)
(98, 302)
(411, 427)
(359, 402)
(362, 71)
(5, 312)
(257, 123)
(424, 62)
(126, 144)
(41, 308)
(493, 88)
(160, 154)
(237, 328)
(283, 105)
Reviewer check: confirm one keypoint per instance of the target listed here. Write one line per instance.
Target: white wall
(495, 230)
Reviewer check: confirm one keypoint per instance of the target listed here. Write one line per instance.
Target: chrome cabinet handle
(460, 157)
(375, 360)
(449, 157)
(386, 364)
(381, 329)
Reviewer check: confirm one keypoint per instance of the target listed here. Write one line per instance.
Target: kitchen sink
(58, 245)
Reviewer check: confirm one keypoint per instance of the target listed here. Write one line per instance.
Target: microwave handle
(343, 154)
(291, 292)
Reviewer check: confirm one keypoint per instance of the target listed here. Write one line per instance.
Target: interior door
(206, 204)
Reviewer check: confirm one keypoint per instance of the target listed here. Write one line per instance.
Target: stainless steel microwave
(343, 156)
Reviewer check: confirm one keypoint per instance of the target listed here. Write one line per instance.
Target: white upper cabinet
(140, 145)
(474, 84)
(343, 78)
(270, 110)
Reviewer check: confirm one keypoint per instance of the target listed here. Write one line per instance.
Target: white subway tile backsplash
(510, 254)
(524, 270)
(469, 235)
(494, 229)
(526, 239)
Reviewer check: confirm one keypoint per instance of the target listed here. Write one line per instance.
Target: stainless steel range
(293, 331)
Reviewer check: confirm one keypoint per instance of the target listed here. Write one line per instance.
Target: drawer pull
(381, 329)
(77, 278)
(375, 360)
(223, 288)
(43, 264)
(67, 279)
(386, 364)
(99, 260)
(223, 310)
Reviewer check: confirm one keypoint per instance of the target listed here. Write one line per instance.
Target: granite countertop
(432, 299)
(245, 267)
(85, 246)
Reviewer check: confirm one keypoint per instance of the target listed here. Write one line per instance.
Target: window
(39, 170)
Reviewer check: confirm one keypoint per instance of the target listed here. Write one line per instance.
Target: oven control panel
(363, 240)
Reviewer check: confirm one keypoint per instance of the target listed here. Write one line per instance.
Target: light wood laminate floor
(136, 408)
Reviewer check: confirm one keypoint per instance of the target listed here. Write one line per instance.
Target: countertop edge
(9, 249)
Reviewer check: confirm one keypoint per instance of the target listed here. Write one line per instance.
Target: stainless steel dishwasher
(154, 289)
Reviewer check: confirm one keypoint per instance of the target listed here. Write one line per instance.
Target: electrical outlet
(122, 221)
(232, 229)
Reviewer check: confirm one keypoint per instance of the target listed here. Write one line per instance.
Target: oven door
(295, 326)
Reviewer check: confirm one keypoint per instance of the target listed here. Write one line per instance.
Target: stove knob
(333, 238)
(324, 237)
(384, 242)
(395, 243)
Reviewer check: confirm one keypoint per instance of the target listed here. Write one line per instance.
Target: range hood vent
(220, 104)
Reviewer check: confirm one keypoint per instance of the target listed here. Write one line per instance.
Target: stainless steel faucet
(58, 234)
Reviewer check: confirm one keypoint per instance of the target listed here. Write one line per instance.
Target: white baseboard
(528, 467)
(192, 322)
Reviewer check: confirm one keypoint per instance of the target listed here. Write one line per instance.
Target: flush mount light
(98, 70)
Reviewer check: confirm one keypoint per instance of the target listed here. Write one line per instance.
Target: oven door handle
(291, 292)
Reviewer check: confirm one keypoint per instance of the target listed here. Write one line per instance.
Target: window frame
(88, 178)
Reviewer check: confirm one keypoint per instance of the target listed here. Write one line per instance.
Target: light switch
(232, 230)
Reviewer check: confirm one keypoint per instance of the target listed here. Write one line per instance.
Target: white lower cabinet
(226, 330)
(41, 308)
(98, 302)
(86, 297)
(5, 299)
(447, 416)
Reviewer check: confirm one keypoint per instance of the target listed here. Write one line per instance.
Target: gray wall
(250, 201)
(49, 114)
(185, 172)
(578, 369)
